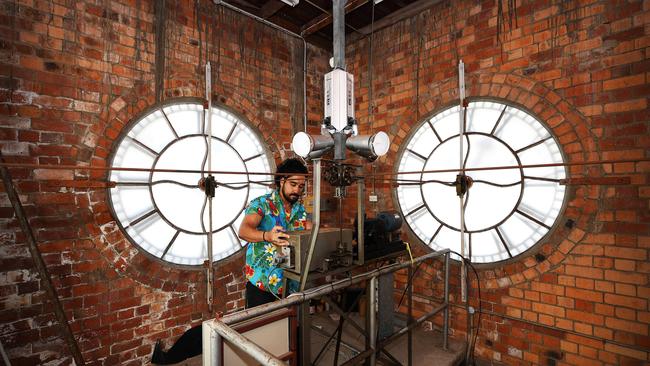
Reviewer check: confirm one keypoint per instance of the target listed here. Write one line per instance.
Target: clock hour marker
(529, 217)
(503, 241)
(496, 124)
(169, 245)
(142, 145)
(231, 131)
(139, 219)
(252, 157)
(435, 234)
(169, 123)
(415, 210)
(532, 145)
(418, 155)
(434, 130)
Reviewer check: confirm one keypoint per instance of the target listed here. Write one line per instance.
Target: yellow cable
(408, 248)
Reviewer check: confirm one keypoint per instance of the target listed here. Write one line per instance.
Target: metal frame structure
(419, 181)
(150, 183)
(216, 330)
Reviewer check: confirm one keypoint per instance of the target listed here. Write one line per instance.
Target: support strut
(66, 331)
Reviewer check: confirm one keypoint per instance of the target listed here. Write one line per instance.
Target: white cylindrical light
(380, 143)
(370, 147)
(301, 144)
(304, 144)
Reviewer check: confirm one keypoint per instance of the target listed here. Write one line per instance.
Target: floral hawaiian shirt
(259, 269)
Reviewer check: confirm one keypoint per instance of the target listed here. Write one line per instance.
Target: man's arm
(248, 231)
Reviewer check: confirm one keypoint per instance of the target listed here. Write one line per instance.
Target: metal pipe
(343, 343)
(342, 313)
(302, 297)
(315, 225)
(208, 117)
(445, 320)
(304, 83)
(361, 235)
(275, 26)
(410, 316)
(46, 281)
(5, 358)
(338, 15)
(408, 327)
(385, 342)
(194, 171)
(211, 347)
(234, 338)
(372, 316)
(316, 292)
(461, 196)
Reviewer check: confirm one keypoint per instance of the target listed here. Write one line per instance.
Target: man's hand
(277, 236)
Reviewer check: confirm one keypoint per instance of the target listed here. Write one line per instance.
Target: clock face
(164, 212)
(506, 211)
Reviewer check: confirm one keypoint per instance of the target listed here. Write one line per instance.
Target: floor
(427, 345)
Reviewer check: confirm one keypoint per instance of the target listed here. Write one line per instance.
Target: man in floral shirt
(265, 226)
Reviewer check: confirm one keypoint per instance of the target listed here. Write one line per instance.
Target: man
(265, 226)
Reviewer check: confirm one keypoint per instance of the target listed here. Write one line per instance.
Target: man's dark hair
(291, 165)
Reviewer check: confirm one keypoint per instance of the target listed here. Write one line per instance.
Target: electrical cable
(194, 171)
(472, 344)
(473, 338)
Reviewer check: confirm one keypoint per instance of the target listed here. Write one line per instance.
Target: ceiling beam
(403, 13)
(269, 8)
(324, 20)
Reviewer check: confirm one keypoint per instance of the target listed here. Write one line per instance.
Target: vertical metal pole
(5, 358)
(338, 15)
(211, 346)
(410, 317)
(361, 196)
(304, 342)
(315, 225)
(372, 317)
(445, 320)
(208, 116)
(461, 123)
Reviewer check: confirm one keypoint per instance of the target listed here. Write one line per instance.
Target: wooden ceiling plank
(270, 7)
(406, 12)
(324, 20)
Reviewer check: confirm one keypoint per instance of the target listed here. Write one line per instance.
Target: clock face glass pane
(507, 211)
(165, 212)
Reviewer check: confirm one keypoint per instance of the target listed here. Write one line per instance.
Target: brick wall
(73, 74)
(582, 67)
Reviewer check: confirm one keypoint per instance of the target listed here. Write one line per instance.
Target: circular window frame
(127, 128)
(533, 249)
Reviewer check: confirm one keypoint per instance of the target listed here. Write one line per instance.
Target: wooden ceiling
(312, 18)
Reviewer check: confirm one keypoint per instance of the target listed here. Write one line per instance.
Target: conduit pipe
(195, 171)
(316, 292)
(277, 27)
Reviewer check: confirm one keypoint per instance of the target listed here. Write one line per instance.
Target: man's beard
(292, 198)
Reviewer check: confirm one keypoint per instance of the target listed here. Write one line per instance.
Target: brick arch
(576, 141)
(116, 249)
